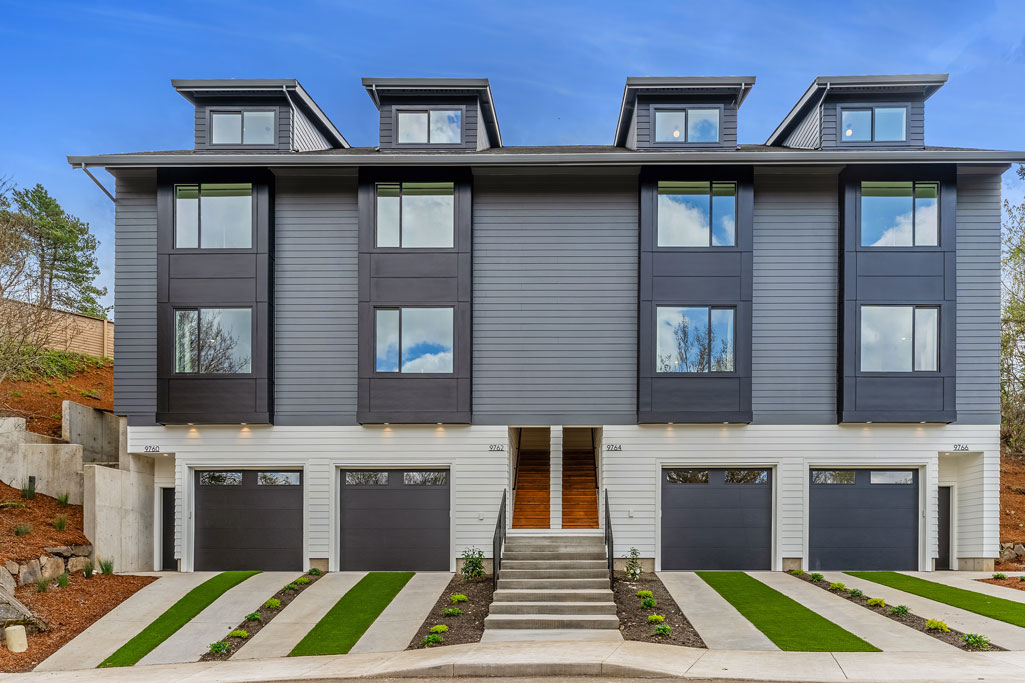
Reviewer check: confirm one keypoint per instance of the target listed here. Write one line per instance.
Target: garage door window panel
(220, 479)
(756, 477)
(887, 477)
(366, 478)
(419, 478)
(687, 476)
(279, 479)
(831, 477)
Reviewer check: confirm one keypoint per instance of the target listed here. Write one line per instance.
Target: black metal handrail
(498, 543)
(609, 542)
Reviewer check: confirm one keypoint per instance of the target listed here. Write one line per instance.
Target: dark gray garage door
(248, 519)
(395, 520)
(717, 518)
(863, 519)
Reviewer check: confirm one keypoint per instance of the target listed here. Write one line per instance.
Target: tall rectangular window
(899, 338)
(873, 124)
(696, 214)
(688, 126)
(694, 339)
(900, 214)
(416, 215)
(213, 340)
(213, 216)
(242, 128)
(430, 127)
(414, 340)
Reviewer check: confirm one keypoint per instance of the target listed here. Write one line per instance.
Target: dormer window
(873, 124)
(687, 125)
(248, 127)
(430, 127)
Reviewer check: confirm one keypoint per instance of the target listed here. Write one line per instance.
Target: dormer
(435, 113)
(258, 114)
(688, 112)
(859, 112)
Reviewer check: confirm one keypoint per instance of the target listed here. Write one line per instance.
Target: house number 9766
(960, 447)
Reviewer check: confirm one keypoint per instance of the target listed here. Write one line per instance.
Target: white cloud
(681, 224)
(430, 362)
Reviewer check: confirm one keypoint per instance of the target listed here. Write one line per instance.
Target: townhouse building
(739, 356)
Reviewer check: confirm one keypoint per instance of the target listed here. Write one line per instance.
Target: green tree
(63, 254)
(1012, 327)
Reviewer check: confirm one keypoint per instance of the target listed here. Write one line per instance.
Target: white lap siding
(478, 474)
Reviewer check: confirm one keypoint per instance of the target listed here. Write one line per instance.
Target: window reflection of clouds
(445, 126)
(412, 126)
(427, 339)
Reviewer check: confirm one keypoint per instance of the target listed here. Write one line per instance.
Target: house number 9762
(496, 447)
(960, 447)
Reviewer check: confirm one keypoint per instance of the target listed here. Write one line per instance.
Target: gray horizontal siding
(794, 327)
(315, 301)
(555, 263)
(135, 296)
(978, 298)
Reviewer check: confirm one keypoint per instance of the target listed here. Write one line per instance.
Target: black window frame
(212, 111)
(400, 248)
(199, 220)
(711, 218)
(654, 109)
(398, 372)
(710, 372)
(859, 245)
(199, 341)
(914, 333)
(872, 106)
(407, 108)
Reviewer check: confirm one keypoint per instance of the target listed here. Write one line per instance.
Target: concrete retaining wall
(56, 466)
(118, 513)
(97, 430)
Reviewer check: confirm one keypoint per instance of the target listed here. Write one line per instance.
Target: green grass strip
(790, 625)
(176, 616)
(352, 615)
(988, 606)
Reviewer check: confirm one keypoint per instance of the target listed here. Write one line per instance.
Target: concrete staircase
(553, 587)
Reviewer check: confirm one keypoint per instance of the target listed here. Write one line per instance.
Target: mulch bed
(39, 400)
(633, 618)
(910, 620)
(468, 627)
(254, 627)
(39, 513)
(1009, 582)
(68, 611)
(1012, 501)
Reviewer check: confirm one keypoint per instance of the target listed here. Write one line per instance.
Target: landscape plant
(290, 587)
(239, 633)
(663, 630)
(453, 612)
(656, 618)
(645, 594)
(438, 628)
(876, 602)
(900, 610)
(837, 586)
(62, 499)
(937, 625)
(797, 572)
(816, 577)
(88, 569)
(106, 566)
(62, 580)
(648, 603)
(22, 529)
(855, 592)
(42, 584)
(433, 639)
(473, 563)
(60, 523)
(253, 616)
(302, 580)
(28, 490)
(218, 648)
(633, 564)
(314, 571)
(976, 641)
(457, 598)
(273, 603)
(999, 576)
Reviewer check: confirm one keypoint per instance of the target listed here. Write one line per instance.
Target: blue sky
(93, 77)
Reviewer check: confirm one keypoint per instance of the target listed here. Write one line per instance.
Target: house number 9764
(960, 447)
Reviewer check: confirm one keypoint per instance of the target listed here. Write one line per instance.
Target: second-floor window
(873, 124)
(414, 340)
(694, 339)
(690, 125)
(430, 127)
(697, 214)
(900, 214)
(213, 216)
(242, 128)
(416, 215)
(900, 338)
(213, 341)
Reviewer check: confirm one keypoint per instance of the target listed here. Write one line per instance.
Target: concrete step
(557, 539)
(546, 621)
(553, 608)
(554, 564)
(540, 595)
(553, 573)
(552, 584)
(552, 555)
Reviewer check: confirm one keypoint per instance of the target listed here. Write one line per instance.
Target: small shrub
(302, 580)
(22, 529)
(797, 572)
(218, 648)
(42, 585)
(856, 592)
(253, 616)
(999, 576)
(456, 598)
(876, 602)
(648, 603)
(433, 639)
(60, 523)
(1022, 577)
(655, 618)
(453, 612)
(290, 587)
(645, 594)
(28, 491)
(10, 504)
(937, 625)
(91, 393)
(63, 579)
(439, 628)
(816, 577)
(837, 586)
(106, 566)
(473, 563)
(900, 610)
(633, 564)
(314, 572)
(273, 603)
(663, 630)
(88, 569)
(976, 641)
(62, 499)
(239, 633)
(16, 394)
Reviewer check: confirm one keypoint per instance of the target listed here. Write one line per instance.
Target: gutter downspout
(98, 183)
(373, 95)
(291, 129)
(819, 109)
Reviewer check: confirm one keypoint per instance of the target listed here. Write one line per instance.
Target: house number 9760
(151, 449)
